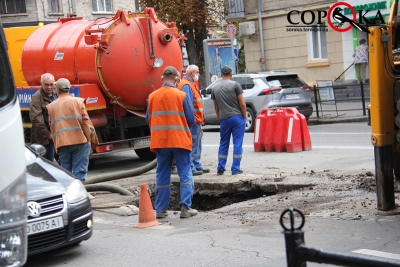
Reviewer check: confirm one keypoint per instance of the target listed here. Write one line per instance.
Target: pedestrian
(169, 116)
(69, 122)
(38, 114)
(188, 86)
(230, 108)
(361, 60)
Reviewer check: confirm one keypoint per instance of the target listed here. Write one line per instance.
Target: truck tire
(91, 163)
(145, 154)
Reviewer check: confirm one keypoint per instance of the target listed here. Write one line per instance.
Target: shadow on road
(211, 128)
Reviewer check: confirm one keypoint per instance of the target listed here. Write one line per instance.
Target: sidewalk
(343, 112)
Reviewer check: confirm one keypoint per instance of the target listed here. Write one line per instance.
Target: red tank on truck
(114, 63)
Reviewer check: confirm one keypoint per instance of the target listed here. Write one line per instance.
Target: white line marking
(378, 253)
(340, 133)
(371, 147)
(290, 131)
(313, 147)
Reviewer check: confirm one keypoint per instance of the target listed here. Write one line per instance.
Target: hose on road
(91, 184)
(108, 187)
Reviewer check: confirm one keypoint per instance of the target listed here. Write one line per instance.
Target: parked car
(59, 210)
(264, 90)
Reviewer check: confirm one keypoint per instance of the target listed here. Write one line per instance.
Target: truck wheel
(91, 163)
(145, 154)
(249, 120)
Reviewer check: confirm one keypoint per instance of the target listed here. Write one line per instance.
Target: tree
(192, 18)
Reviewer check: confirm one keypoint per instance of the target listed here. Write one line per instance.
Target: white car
(264, 90)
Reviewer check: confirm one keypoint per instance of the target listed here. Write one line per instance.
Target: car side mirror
(39, 149)
(203, 92)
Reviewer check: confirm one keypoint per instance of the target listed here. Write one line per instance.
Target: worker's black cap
(226, 70)
(170, 71)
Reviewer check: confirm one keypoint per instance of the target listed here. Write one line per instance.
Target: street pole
(233, 54)
(231, 32)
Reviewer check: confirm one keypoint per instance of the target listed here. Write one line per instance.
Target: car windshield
(286, 81)
(208, 90)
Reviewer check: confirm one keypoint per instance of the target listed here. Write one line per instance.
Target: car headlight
(13, 244)
(76, 192)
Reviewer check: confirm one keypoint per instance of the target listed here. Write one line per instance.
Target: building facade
(298, 36)
(31, 12)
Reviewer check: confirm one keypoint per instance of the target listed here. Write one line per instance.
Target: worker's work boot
(203, 170)
(160, 215)
(196, 173)
(186, 213)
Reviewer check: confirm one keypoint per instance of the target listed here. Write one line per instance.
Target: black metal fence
(339, 98)
(297, 254)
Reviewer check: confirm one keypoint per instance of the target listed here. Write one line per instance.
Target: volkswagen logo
(34, 209)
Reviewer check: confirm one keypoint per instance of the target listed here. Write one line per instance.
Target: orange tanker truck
(114, 63)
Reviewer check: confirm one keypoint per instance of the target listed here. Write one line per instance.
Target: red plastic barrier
(305, 134)
(259, 127)
(281, 129)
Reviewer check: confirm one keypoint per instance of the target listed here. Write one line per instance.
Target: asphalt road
(344, 146)
(248, 233)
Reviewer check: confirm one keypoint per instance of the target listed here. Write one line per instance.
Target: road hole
(210, 196)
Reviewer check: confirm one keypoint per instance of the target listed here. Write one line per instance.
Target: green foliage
(197, 14)
(242, 61)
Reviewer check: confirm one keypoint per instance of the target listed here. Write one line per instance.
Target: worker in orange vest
(188, 85)
(169, 116)
(70, 130)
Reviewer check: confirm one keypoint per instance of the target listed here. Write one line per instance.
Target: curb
(316, 121)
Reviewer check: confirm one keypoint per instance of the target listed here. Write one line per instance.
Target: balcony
(235, 9)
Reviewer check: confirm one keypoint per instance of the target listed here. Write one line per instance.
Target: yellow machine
(384, 57)
(16, 38)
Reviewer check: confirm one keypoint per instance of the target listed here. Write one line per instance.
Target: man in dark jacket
(40, 132)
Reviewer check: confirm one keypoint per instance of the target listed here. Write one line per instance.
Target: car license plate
(292, 96)
(142, 142)
(45, 225)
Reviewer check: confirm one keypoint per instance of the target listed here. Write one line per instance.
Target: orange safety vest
(197, 101)
(167, 121)
(66, 120)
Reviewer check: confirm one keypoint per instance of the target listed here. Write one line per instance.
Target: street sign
(235, 51)
(231, 30)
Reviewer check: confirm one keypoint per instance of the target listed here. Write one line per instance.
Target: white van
(13, 209)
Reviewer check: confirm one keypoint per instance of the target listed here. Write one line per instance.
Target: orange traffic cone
(146, 212)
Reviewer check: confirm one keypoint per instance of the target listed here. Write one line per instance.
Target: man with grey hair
(38, 114)
(188, 86)
(230, 108)
(69, 122)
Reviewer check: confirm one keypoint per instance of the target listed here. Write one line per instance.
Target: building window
(102, 5)
(317, 43)
(54, 6)
(12, 6)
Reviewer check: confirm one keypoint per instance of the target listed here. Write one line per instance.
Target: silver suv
(264, 90)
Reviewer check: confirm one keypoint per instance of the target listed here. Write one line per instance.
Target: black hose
(105, 177)
(108, 187)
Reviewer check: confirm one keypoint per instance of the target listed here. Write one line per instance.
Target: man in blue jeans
(70, 130)
(230, 108)
(188, 86)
